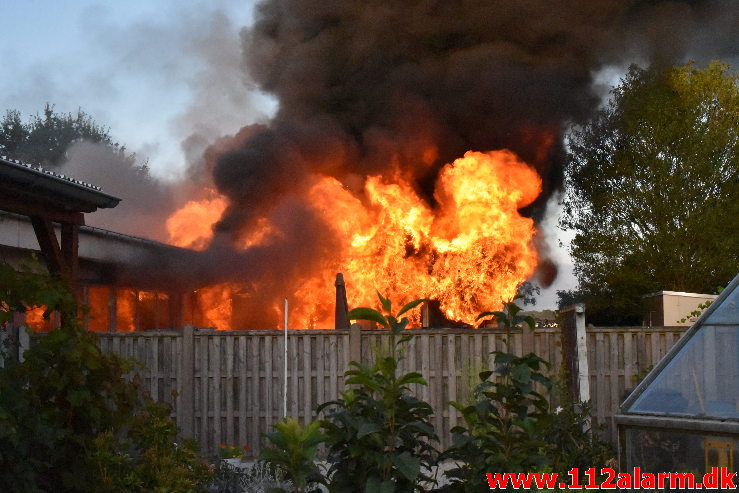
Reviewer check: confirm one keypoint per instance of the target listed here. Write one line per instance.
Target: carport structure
(47, 197)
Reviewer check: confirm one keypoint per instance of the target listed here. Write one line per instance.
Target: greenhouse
(684, 416)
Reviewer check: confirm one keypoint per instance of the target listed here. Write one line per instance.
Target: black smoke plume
(365, 86)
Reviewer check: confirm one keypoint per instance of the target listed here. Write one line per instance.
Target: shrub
(292, 449)
(70, 421)
(510, 426)
(502, 425)
(379, 434)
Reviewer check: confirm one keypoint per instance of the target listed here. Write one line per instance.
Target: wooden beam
(44, 229)
(70, 256)
(29, 207)
(70, 247)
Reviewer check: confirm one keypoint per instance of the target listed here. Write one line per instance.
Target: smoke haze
(377, 87)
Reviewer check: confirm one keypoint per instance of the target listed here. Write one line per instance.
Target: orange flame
(192, 225)
(125, 310)
(470, 252)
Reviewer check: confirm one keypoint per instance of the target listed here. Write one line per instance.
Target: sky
(155, 73)
(145, 69)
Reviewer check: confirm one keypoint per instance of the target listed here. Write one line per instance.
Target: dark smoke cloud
(367, 85)
(362, 84)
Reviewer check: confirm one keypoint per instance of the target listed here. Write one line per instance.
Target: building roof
(680, 293)
(22, 181)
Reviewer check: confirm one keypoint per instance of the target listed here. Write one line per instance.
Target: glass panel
(701, 380)
(147, 310)
(98, 301)
(163, 311)
(728, 312)
(125, 310)
(677, 451)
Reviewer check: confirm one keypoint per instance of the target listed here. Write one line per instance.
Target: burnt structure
(128, 283)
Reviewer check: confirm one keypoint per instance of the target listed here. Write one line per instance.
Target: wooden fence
(618, 358)
(227, 386)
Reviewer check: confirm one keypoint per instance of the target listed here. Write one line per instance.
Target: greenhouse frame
(684, 416)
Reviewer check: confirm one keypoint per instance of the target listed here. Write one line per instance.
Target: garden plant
(379, 435)
(70, 420)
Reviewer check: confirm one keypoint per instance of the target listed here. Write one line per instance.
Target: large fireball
(470, 251)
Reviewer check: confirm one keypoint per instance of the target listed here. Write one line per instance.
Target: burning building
(415, 148)
(128, 283)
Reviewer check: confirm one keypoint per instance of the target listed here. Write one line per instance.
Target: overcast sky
(154, 72)
(142, 68)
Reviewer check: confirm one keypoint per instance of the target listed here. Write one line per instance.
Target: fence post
(583, 373)
(574, 350)
(186, 407)
(355, 343)
(24, 342)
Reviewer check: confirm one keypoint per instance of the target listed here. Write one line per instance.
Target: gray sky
(154, 72)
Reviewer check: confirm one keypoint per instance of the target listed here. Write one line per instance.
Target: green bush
(511, 426)
(293, 449)
(502, 425)
(379, 435)
(70, 421)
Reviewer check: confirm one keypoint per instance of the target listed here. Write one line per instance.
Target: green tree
(652, 188)
(45, 138)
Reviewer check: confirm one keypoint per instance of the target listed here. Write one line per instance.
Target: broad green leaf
(363, 313)
(504, 358)
(521, 373)
(372, 485)
(513, 309)
(367, 428)
(412, 377)
(404, 339)
(410, 306)
(409, 466)
(385, 302)
(387, 486)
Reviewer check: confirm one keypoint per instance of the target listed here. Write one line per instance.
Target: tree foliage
(45, 138)
(653, 186)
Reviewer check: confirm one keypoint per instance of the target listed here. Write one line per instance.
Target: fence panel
(228, 386)
(618, 357)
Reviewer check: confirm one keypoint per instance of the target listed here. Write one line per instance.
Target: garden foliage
(379, 435)
(511, 426)
(292, 449)
(69, 419)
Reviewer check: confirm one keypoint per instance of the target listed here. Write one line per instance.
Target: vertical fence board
(229, 385)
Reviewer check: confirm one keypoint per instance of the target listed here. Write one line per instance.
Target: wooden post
(355, 343)
(425, 316)
(185, 406)
(69, 250)
(583, 373)
(24, 342)
(575, 351)
(341, 319)
(569, 350)
(527, 340)
(113, 310)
